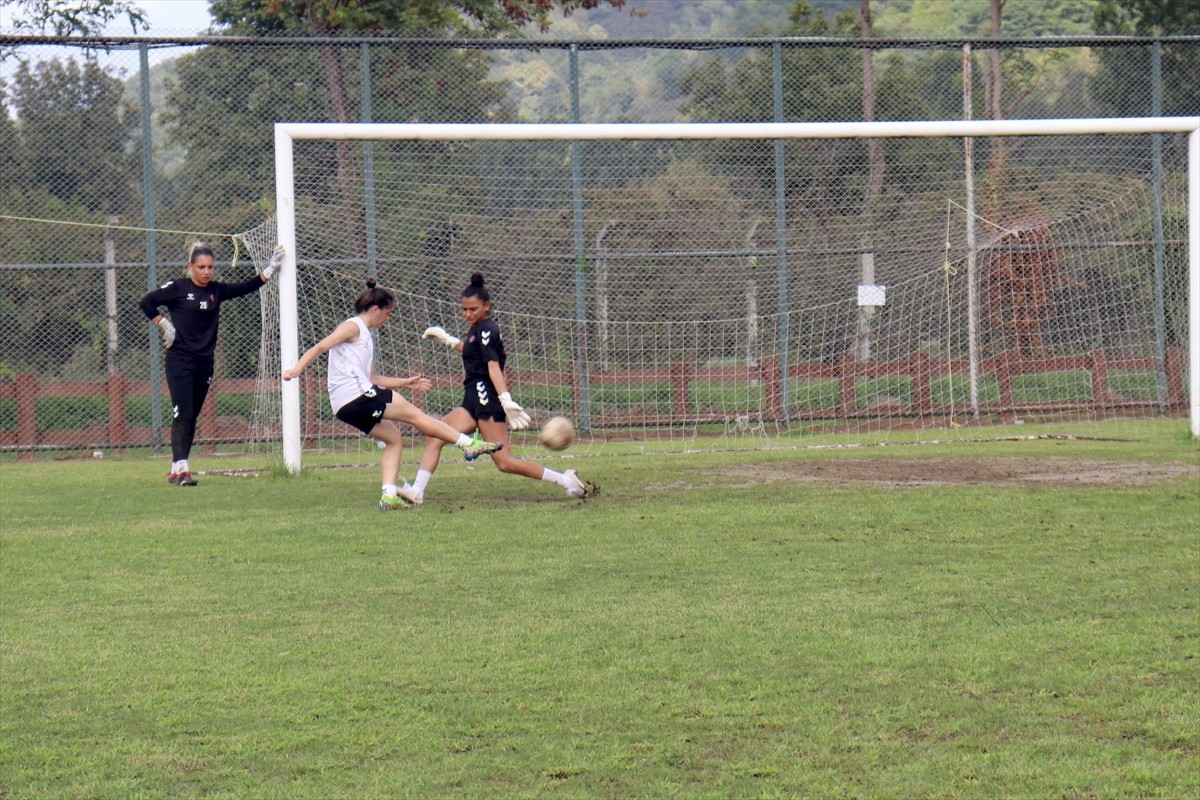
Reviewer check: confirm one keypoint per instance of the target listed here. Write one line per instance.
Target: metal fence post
(156, 431)
(781, 258)
(364, 66)
(1156, 172)
(585, 396)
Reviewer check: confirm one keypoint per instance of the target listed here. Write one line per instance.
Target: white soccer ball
(557, 433)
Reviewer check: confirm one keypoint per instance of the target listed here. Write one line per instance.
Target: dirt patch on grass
(965, 472)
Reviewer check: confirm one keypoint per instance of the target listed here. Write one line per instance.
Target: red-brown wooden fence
(921, 370)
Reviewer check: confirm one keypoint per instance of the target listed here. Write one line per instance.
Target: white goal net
(755, 285)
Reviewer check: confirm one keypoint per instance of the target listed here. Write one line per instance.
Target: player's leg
(401, 410)
(182, 378)
(493, 430)
(389, 466)
(460, 420)
(202, 375)
(179, 386)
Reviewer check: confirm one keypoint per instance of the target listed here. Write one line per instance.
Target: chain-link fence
(110, 168)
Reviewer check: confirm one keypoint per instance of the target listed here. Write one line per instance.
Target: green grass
(700, 629)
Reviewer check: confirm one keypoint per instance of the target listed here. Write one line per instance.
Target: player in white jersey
(362, 398)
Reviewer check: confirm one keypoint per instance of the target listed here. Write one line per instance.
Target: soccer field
(1014, 618)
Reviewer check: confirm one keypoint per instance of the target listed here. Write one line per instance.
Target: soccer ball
(557, 433)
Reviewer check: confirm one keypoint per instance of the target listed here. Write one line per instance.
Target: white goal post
(286, 134)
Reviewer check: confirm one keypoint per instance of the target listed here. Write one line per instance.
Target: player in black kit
(190, 338)
(487, 403)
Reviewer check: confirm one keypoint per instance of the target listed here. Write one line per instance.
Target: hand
(419, 383)
(441, 335)
(291, 372)
(168, 332)
(518, 420)
(274, 264)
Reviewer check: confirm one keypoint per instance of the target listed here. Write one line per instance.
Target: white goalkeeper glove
(518, 420)
(438, 333)
(168, 332)
(275, 263)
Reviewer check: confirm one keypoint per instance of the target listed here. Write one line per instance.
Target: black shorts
(366, 411)
(481, 402)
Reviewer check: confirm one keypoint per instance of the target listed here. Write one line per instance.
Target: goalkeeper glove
(168, 332)
(275, 263)
(518, 420)
(441, 335)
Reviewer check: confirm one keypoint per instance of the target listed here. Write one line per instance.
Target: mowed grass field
(744, 624)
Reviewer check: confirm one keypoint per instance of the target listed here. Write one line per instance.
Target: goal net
(755, 285)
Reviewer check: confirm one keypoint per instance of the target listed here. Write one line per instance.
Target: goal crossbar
(288, 132)
(333, 131)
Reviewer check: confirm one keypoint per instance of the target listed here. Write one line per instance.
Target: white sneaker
(410, 495)
(577, 487)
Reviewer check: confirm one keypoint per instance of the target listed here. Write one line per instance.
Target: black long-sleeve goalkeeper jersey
(195, 312)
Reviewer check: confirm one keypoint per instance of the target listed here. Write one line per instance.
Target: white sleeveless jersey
(350, 367)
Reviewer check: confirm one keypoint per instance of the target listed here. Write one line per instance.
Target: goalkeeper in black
(190, 338)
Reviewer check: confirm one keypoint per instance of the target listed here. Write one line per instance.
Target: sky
(170, 17)
(166, 18)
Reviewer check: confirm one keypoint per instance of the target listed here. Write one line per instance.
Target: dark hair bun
(476, 279)
(370, 283)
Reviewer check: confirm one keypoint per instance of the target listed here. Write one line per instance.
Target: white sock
(463, 440)
(553, 477)
(182, 466)
(423, 476)
(389, 489)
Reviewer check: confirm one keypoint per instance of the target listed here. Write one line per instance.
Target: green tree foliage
(955, 18)
(820, 84)
(78, 133)
(224, 128)
(11, 147)
(80, 17)
(1122, 77)
(68, 151)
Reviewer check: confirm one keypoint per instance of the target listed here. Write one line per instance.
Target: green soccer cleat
(388, 503)
(478, 447)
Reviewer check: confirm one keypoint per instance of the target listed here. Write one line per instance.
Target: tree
(67, 152)
(82, 17)
(1123, 78)
(878, 165)
(820, 84)
(331, 18)
(11, 146)
(78, 133)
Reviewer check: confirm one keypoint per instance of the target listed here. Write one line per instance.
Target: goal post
(287, 134)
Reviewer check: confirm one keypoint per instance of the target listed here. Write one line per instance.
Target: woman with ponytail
(365, 399)
(487, 404)
(190, 339)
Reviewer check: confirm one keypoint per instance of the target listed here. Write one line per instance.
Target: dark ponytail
(477, 289)
(373, 296)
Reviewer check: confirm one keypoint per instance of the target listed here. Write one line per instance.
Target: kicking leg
(504, 461)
